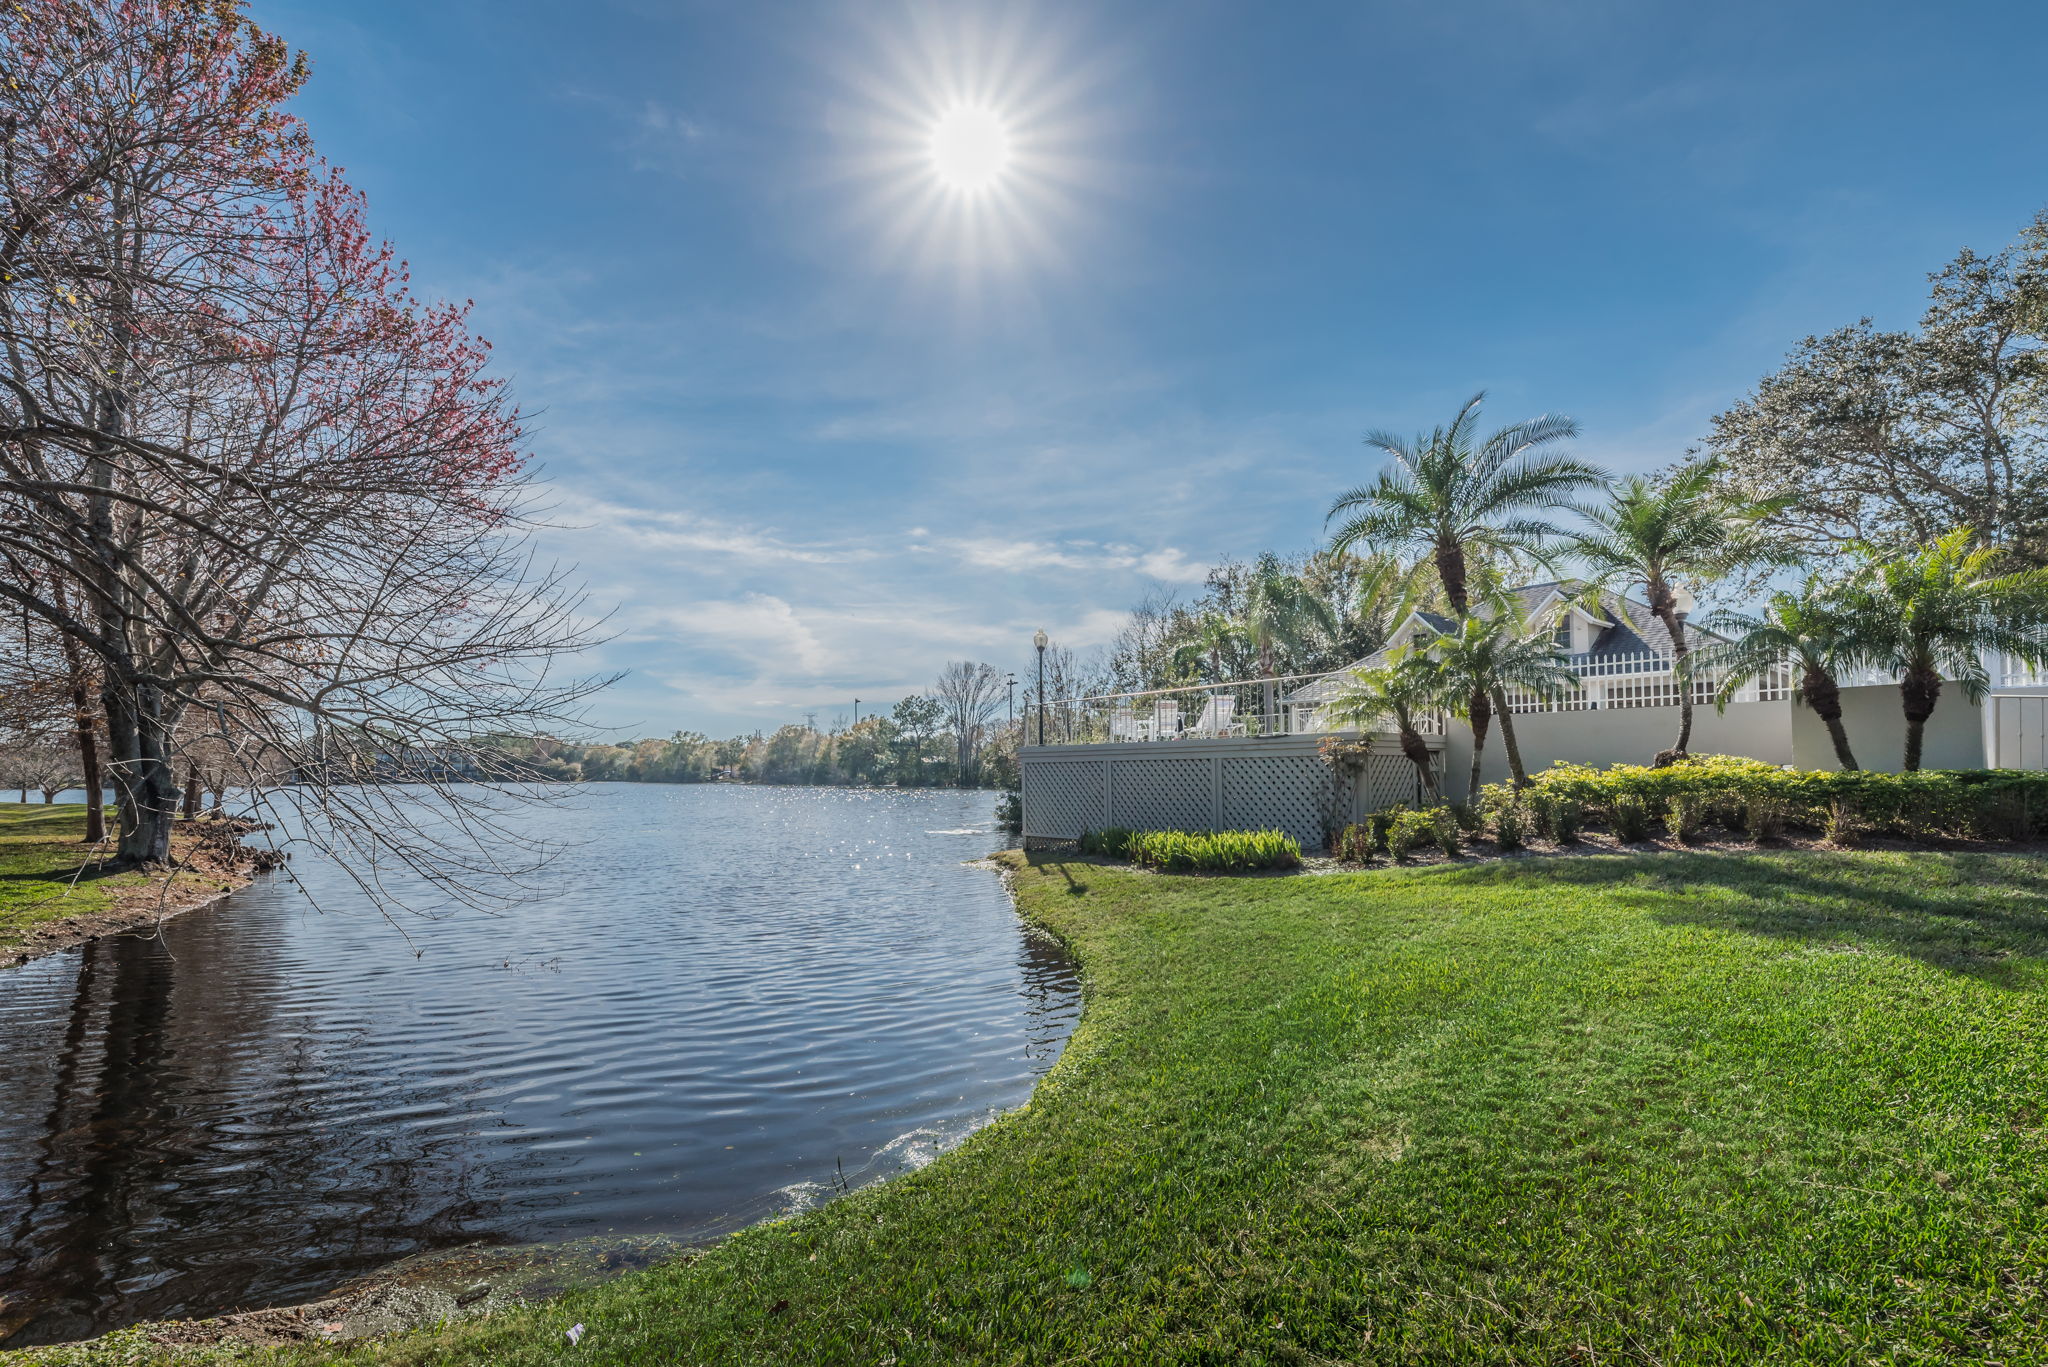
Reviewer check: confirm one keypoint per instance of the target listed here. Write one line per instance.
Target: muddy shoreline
(211, 863)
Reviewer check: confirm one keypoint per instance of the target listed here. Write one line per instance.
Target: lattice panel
(1162, 795)
(1291, 793)
(1061, 800)
(1388, 779)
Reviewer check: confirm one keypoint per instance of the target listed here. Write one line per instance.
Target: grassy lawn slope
(1673, 1109)
(40, 881)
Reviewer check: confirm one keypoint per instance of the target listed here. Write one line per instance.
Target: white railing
(1246, 708)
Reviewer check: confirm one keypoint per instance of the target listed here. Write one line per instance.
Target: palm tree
(1936, 612)
(1281, 612)
(1215, 637)
(1814, 628)
(1659, 534)
(1408, 684)
(1449, 494)
(1484, 658)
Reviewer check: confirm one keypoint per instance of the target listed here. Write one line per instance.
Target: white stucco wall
(1877, 732)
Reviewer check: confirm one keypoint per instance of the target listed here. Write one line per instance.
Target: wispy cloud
(1168, 565)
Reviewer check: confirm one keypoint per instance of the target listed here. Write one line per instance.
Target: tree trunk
(145, 786)
(1824, 696)
(1661, 603)
(87, 737)
(1412, 745)
(1516, 773)
(1481, 709)
(190, 807)
(1919, 690)
(1450, 568)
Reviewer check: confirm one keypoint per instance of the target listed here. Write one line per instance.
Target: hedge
(1748, 794)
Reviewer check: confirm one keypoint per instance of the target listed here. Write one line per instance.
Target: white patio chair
(1205, 723)
(1123, 723)
(1165, 719)
(1226, 712)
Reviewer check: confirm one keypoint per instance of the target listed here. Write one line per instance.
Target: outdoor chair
(1165, 719)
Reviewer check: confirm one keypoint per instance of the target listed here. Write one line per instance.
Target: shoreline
(468, 1282)
(210, 865)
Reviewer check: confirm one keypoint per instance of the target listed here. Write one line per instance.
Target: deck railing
(1261, 707)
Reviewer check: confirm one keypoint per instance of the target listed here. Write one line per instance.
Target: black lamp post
(1039, 640)
(1012, 682)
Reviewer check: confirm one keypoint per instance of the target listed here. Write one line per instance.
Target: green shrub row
(1196, 852)
(1765, 800)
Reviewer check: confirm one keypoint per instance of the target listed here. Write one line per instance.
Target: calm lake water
(736, 995)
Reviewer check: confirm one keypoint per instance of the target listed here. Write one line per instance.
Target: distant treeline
(911, 747)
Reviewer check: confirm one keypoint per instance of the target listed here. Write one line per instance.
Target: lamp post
(1039, 639)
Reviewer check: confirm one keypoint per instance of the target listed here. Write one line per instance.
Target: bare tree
(971, 694)
(273, 496)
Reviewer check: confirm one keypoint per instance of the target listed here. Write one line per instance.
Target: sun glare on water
(970, 148)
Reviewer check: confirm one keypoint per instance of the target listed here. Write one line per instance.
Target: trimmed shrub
(1409, 831)
(1356, 843)
(1685, 816)
(1467, 816)
(1631, 819)
(1763, 817)
(1510, 827)
(1843, 827)
(1449, 831)
(1214, 852)
(1111, 842)
(1933, 804)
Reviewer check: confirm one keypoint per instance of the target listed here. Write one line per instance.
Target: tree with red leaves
(272, 493)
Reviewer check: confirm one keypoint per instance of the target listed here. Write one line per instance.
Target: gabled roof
(1629, 629)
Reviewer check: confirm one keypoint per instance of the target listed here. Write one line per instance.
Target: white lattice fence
(1291, 793)
(1163, 794)
(1388, 779)
(1203, 785)
(1064, 798)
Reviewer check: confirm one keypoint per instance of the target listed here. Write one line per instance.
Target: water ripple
(742, 998)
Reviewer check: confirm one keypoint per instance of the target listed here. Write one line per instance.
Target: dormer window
(1563, 637)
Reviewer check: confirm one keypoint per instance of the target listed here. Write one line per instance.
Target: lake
(733, 1001)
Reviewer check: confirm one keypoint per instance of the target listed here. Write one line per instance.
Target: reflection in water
(747, 991)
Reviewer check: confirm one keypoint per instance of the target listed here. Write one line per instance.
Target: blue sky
(816, 427)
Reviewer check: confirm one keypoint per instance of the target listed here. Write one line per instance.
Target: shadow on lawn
(1986, 922)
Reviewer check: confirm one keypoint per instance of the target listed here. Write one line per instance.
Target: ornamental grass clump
(1214, 852)
(1111, 842)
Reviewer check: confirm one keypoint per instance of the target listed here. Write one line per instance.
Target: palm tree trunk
(1824, 696)
(1919, 690)
(1266, 672)
(1660, 598)
(1413, 746)
(1450, 568)
(1481, 716)
(1516, 773)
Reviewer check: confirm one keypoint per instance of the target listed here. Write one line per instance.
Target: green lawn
(40, 878)
(1665, 1109)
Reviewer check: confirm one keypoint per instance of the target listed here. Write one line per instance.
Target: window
(1563, 636)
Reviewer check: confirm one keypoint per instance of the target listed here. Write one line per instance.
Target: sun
(970, 148)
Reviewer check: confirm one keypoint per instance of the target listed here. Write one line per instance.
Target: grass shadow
(1977, 914)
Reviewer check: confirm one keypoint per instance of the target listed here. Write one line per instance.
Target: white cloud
(663, 530)
(760, 626)
(1169, 565)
